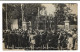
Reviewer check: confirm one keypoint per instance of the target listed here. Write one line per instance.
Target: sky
(74, 8)
(50, 8)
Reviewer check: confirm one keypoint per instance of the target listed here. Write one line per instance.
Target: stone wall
(71, 26)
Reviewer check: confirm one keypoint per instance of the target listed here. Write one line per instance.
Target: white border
(39, 1)
(78, 2)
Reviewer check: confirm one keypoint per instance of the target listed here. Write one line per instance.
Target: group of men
(15, 38)
(40, 40)
(68, 39)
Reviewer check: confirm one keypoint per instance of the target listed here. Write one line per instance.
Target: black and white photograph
(39, 26)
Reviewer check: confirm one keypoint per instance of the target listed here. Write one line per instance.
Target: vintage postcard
(39, 26)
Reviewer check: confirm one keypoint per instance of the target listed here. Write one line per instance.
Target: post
(50, 21)
(45, 19)
(50, 24)
(22, 11)
(6, 18)
(66, 24)
(23, 19)
(38, 18)
(55, 20)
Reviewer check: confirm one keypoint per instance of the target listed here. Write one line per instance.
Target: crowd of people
(45, 40)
